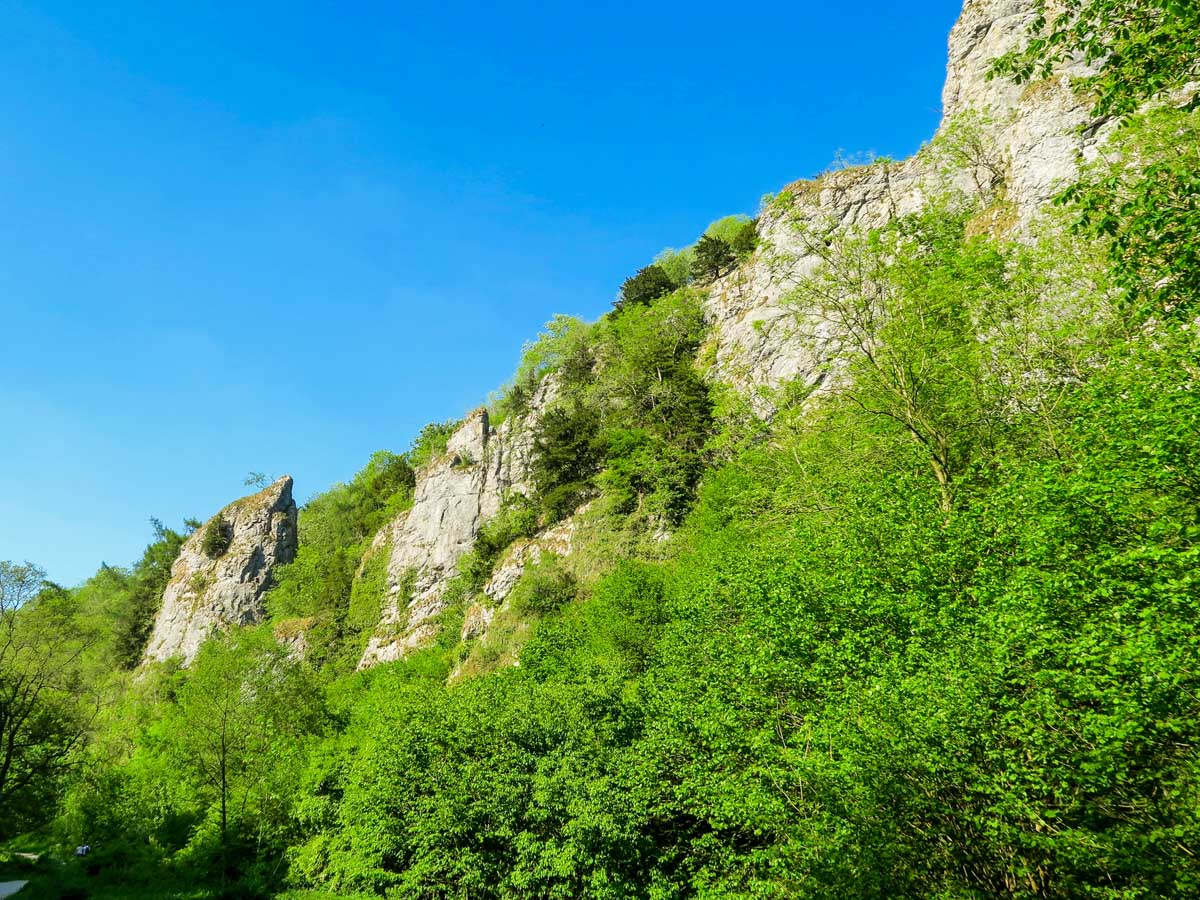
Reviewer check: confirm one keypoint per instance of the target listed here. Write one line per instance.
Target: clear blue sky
(277, 237)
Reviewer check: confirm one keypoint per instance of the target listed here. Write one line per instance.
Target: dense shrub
(677, 264)
(565, 458)
(648, 284)
(739, 232)
(544, 588)
(218, 534)
(431, 442)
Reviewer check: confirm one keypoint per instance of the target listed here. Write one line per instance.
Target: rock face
(556, 539)
(207, 594)
(1023, 142)
(455, 495)
(1010, 146)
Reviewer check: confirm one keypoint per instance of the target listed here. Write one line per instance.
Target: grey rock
(1026, 144)
(1030, 144)
(455, 495)
(556, 539)
(205, 594)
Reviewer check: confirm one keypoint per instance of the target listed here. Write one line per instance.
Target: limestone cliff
(208, 593)
(1011, 147)
(1015, 145)
(455, 495)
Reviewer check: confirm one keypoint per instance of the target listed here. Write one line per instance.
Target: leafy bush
(565, 458)
(121, 603)
(655, 406)
(648, 284)
(517, 518)
(431, 442)
(544, 588)
(677, 264)
(218, 534)
(561, 347)
(740, 232)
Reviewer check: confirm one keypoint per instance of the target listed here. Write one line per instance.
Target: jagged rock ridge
(1028, 142)
(455, 495)
(207, 594)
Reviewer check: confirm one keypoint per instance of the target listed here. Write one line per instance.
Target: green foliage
(714, 257)
(557, 343)
(517, 518)
(638, 419)
(45, 706)
(430, 443)
(367, 593)
(565, 458)
(648, 284)
(118, 605)
(677, 264)
(561, 347)
(236, 724)
(653, 406)
(543, 589)
(973, 674)
(336, 529)
(740, 232)
(910, 303)
(218, 534)
(1143, 201)
(1142, 48)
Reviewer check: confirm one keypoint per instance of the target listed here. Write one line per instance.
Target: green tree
(908, 305)
(652, 405)
(740, 232)
(648, 284)
(714, 257)
(1143, 203)
(144, 588)
(431, 442)
(44, 704)
(238, 721)
(1142, 48)
(565, 458)
(677, 264)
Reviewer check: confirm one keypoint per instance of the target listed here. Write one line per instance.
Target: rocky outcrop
(1010, 146)
(455, 495)
(1015, 145)
(557, 539)
(211, 593)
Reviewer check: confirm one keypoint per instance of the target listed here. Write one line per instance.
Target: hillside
(853, 554)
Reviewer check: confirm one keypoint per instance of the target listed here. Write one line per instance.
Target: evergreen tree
(648, 284)
(714, 257)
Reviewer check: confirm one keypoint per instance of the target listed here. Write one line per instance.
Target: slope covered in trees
(931, 632)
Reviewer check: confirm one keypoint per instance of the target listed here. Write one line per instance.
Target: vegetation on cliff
(931, 634)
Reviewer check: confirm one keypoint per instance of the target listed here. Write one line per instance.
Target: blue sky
(277, 237)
